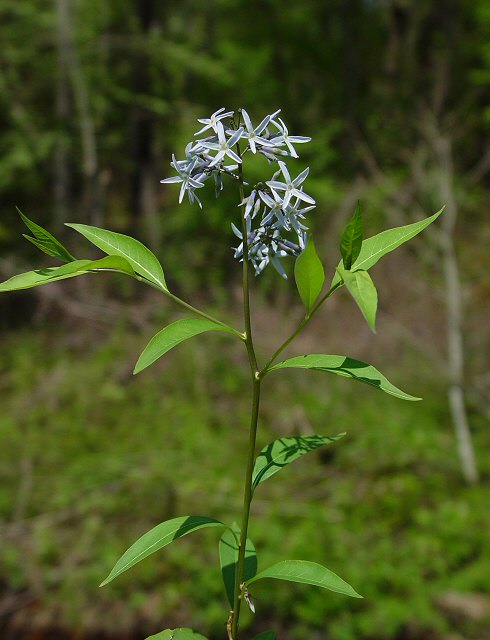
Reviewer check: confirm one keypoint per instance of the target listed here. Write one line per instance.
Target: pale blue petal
(233, 155)
(248, 122)
(299, 139)
(303, 196)
(235, 137)
(301, 178)
(172, 179)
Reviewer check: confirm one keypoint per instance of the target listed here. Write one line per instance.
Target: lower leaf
(306, 573)
(177, 634)
(344, 366)
(70, 270)
(157, 538)
(228, 556)
(281, 452)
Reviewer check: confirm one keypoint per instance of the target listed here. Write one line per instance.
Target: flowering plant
(271, 226)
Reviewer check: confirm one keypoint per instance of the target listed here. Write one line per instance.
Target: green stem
(299, 328)
(247, 500)
(247, 495)
(189, 307)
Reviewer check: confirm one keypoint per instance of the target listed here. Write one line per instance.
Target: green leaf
(344, 366)
(309, 275)
(351, 240)
(279, 453)
(171, 336)
(177, 634)
(70, 270)
(379, 245)
(45, 241)
(157, 538)
(143, 261)
(362, 289)
(228, 557)
(266, 635)
(112, 263)
(306, 573)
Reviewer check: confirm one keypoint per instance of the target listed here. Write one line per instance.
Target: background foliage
(94, 98)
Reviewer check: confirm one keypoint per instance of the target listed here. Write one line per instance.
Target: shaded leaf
(177, 634)
(306, 573)
(171, 336)
(45, 240)
(70, 270)
(143, 261)
(362, 289)
(351, 239)
(228, 556)
(266, 635)
(309, 275)
(157, 538)
(344, 366)
(281, 452)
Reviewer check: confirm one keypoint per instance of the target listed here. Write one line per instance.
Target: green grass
(92, 457)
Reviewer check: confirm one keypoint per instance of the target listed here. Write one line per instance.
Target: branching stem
(189, 307)
(299, 328)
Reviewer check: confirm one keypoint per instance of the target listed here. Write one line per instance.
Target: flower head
(273, 212)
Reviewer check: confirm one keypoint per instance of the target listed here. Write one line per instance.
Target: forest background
(94, 98)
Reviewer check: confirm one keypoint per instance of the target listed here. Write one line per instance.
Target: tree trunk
(91, 187)
(62, 99)
(454, 311)
(143, 196)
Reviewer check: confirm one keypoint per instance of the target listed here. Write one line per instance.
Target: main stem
(247, 495)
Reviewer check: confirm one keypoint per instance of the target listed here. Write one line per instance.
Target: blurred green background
(94, 97)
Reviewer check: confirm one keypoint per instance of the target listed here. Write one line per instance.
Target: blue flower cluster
(274, 210)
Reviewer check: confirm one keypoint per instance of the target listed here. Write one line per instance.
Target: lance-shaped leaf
(171, 336)
(177, 634)
(306, 573)
(143, 261)
(70, 270)
(45, 240)
(266, 635)
(351, 239)
(362, 289)
(379, 245)
(281, 452)
(228, 557)
(309, 275)
(157, 538)
(347, 367)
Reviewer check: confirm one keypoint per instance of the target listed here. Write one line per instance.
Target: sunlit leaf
(157, 538)
(379, 245)
(306, 573)
(177, 634)
(45, 240)
(362, 289)
(347, 367)
(309, 275)
(281, 452)
(70, 270)
(228, 556)
(143, 261)
(171, 336)
(351, 239)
